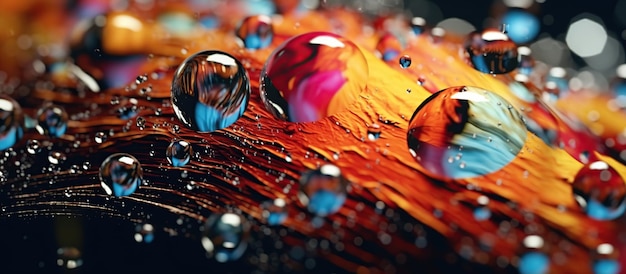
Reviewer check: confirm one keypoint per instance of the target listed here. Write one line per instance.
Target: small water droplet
(274, 212)
(323, 190)
(600, 191)
(100, 137)
(51, 121)
(405, 61)
(373, 132)
(256, 31)
(179, 153)
(33, 146)
(225, 236)
(492, 52)
(144, 233)
(120, 174)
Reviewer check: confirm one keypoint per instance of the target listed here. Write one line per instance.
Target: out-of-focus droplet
(179, 153)
(69, 257)
(225, 236)
(256, 32)
(492, 52)
(177, 22)
(463, 132)
(618, 86)
(120, 174)
(389, 47)
(313, 76)
(522, 27)
(323, 191)
(210, 91)
(605, 259)
(600, 191)
(418, 25)
(51, 121)
(144, 233)
(274, 212)
(534, 260)
(11, 122)
(373, 132)
(405, 61)
(482, 211)
(525, 61)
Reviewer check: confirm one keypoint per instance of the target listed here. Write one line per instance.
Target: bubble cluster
(120, 174)
(210, 91)
(463, 132)
(323, 191)
(225, 236)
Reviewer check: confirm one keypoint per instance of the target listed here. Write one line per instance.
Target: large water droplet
(323, 190)
(11, 122)
(312, 76)
(210, 91)
(179, 153)
(256, 32)
(492, 52)
(600, 191)
(462, 132)
(120, 174)
(225, 236)
(274, 212)
(51, 121)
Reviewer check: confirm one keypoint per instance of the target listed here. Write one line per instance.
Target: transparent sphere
(389, 47)
(210, 91)
(323, 191)
(463, 132)
(312, 76)
(492, 52)
(178, 153)
(11, 122)
(256, 32)
(225, 236)
(120, 174)
(600, 191)
(51, 121)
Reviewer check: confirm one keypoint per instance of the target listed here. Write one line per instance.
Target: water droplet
(225, 236)
(51, 121)
(56, 157)
(120, 174)
(405, 61)
(179, 153)
(482, 211)
(33, 146)
(492, 52)
(534, 260)
(100, 137)
(141, 78)
(600, 191)
(389, 47)
(445, 123)
(210, 91)
(418, 25)
(11, 122)
(144, 233)
(297, 87)
(373, 132)
(323, 191)
(605, 259)
(141, 122)
(274, 212)
(522, 27)
(256, 32)
(69, 257)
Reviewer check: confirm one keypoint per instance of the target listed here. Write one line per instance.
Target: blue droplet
(482, 213)
(210, 91)
(51, 121)
(606, 267)
(256, 32)
(178, 153)
(405, 61)
(533, 263)
(120, 174)
(324, 190)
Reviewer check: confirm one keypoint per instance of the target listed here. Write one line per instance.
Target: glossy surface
(210, 91)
